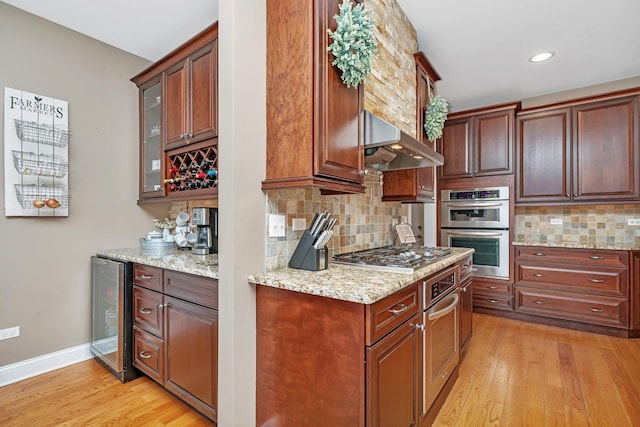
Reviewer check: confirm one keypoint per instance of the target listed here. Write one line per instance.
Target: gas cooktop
(397, 258)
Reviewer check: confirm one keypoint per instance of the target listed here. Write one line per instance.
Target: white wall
(44, 262)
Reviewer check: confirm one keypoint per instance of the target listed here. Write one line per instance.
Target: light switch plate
(277, 225)
(556, 221)
(633, 221)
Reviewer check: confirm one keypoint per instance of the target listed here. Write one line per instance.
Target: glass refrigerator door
(107, 310)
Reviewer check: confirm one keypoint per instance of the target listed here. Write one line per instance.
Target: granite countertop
(355, 284)
(573, 245)
(182, 261)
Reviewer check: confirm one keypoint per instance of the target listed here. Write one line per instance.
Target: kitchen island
(346, 346)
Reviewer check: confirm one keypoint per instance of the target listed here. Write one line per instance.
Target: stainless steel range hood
(387, 148)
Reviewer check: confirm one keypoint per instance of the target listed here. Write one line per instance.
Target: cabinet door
(456, 148)
(634, 293)
(338, 109)
(192, 354)
(543, 157)
(606, 150)
(151, 152)
(424, 90)
(175, 104)
(466, 312)
(393, 378)
(203, 94)
(493, 143)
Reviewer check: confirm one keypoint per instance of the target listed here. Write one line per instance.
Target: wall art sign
(36, 153)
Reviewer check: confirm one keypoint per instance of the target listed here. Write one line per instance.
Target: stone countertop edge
(354, 284)
(571, 245)
(181, 261)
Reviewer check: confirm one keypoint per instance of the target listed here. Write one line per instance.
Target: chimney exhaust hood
(387, 148)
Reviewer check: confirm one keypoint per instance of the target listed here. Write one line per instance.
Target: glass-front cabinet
(151, 152)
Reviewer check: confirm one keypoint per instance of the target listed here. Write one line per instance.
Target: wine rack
(193, 170)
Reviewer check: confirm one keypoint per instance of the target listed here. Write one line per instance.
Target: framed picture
(36, 153)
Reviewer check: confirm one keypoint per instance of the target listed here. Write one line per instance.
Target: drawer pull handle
(492, 287)
(145, 311)
(401, 308)
(539, 302)
(596, 257)
(596, 280)
(539, 275)
(493, 301)
(540, 254)
(146, 277)
(145, 355)
(596, 310)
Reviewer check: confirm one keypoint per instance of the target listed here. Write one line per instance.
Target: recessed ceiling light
(541, 57)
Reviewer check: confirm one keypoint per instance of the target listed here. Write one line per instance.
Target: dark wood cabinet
(466, 305)
(415, 185)
(393, 373)
(175, 329)
(634, 295)
(314, 121)
(191, 98)
(575, 287)
(478, 142)
(179, 121)
(492, 294)
(580, 153)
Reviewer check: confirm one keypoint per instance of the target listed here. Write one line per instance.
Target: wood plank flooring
(512, 374)
(523, 374)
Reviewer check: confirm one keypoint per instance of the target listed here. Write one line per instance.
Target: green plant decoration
(435, 116)
(353, 45)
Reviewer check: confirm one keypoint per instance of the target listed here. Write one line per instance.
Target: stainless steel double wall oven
(478, 218)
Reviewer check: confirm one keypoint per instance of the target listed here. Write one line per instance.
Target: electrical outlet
(298, 224)
(277, 225)
(556, 221)
(633, 221)
(10, 333)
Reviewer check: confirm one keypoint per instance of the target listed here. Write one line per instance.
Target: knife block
(306, 257)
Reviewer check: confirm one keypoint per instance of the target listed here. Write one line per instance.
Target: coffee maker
(200, 217)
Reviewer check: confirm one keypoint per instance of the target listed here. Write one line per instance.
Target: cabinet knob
(187, 135)
(419, 326)
(575, 194)
(362, 172)
(567, 195)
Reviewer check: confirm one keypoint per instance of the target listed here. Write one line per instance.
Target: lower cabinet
(466, 306)
(580, 288)
(492, 294)
(176, 336)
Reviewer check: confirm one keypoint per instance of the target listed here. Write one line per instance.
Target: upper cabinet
(178, 126)
(478, 142)
(580, 152)
(314, 121)
(416, 185)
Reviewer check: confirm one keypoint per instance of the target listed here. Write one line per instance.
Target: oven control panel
(442, 286)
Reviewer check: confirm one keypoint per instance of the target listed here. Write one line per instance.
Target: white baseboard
(15, 372)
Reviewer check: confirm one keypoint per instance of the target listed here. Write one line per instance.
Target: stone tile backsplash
(589, 225)
(364, 221)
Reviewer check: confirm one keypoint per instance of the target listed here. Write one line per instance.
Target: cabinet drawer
(148, 354)
(390, 312)
(493, 288)
(199, 290)
(574, 256)
(601, 281)
(493, 301)
(148, 312)
(466, 268)
(148, 277)
(607, 311)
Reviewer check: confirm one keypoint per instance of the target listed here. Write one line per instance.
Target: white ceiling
(480, 48)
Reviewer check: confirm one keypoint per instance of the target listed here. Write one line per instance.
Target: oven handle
(474, 233)
(448, 309)
(474, 205)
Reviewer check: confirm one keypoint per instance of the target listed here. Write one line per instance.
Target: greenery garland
(435, 116)
(353, 45)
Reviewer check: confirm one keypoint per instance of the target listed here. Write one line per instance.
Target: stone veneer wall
(390, 89)
(588, 225)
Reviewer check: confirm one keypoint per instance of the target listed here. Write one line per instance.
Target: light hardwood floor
(512, 374)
